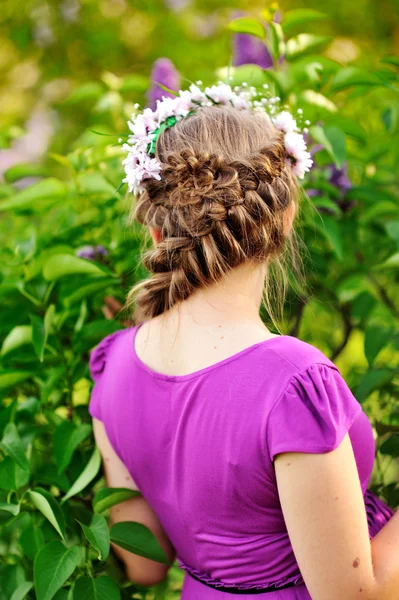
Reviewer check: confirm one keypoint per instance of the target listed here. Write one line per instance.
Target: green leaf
(100, 284)
(95, 183)
(11, 508)
(22, 590)
(316, 99)
(12, 477)
(62, 265)
(299, 17)
(304, 43)
(333, 139)
(87, 475)
(97, 534)
(391, 446)
(31, 540)
(53, 565)
(24, 170)
(19, 336)
(375, 340)
(166, 89)
(11, 377)
(88, 92)
(138, 539)
(134, 83)
(391, 60)
(352, 76)
(34, 195)
(100, 588)
(49, 507)
(391, 263)
(325, 202)
(373, 380)
(12, 445)
(67, 438)
(247, 25)
(277, 42)
(332, 232)
(392, 229)
(38, 336)
(107, 497)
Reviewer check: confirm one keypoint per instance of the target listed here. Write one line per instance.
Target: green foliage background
(79, 67)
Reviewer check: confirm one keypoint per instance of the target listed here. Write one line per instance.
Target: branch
(302, 302)
(348, 327)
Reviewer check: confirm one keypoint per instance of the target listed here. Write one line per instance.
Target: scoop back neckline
(199, 372)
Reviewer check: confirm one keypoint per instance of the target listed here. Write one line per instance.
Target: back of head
(225, 188)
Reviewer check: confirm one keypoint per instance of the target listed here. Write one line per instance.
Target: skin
(320, 494)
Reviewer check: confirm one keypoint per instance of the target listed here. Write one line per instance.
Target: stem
(383, 294)
(348, 327)
(301, 308)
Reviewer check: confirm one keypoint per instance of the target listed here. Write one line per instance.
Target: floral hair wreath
(141, 163)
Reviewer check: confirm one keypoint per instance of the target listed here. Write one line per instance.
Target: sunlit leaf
(247, 25)
(390, 263)
(18, 336)
(305, 43)
(24, 170)
(49, 507)
(48, 189)
(11, 508)
(87, 475)
(107, 497)
(62, 265)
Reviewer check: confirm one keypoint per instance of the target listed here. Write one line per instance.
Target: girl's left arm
(140, 570)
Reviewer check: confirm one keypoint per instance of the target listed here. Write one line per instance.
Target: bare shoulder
(323, 508)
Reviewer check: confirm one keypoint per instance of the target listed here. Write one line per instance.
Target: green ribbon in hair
(170, 121)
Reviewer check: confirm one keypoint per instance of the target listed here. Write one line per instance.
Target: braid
(214, 212)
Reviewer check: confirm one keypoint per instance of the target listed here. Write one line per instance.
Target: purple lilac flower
(339, 178)
(91, 252)
(164, 72)
(250, 50)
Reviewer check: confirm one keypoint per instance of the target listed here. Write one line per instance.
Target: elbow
(146, 579)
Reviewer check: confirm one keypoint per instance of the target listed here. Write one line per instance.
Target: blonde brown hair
(225, 188)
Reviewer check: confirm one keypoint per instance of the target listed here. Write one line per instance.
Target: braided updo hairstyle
(220, 203)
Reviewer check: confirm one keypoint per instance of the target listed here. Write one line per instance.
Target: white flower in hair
(221, 94)
(285, 122)
(138, 168)
(195, 93)
(141, 164)
(296, 149)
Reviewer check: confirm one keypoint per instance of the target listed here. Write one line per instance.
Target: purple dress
(201, 447)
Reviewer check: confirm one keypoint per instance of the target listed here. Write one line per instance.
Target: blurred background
(72, 72)
(57, 58)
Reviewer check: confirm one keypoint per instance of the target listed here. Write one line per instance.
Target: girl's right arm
(324, 512)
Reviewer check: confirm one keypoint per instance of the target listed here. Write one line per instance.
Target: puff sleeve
(99, 357)
(313, 414)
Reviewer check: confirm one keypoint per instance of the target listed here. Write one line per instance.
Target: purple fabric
(200, 448)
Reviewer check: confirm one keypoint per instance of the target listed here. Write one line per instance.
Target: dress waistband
(235, 590)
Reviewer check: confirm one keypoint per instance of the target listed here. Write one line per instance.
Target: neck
(234, 300)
